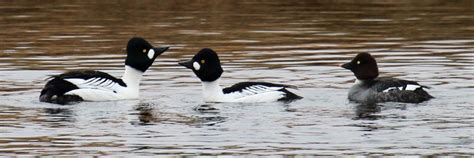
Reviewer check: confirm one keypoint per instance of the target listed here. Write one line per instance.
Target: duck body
(207, 67)
(91, 85)
(248, 92)
(385, 89)
(369, 88)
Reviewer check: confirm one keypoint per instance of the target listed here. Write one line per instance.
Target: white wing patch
(412, 87)
(409, 87)
(254, 90)
(96, 83)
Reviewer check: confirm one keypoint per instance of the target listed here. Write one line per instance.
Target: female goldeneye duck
(207, 67)
(370, 88)
(89, 85)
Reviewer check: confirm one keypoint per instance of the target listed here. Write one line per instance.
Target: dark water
(294, 42)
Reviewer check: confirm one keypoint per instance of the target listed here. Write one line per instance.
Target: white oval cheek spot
(151, 53)
(196, 66)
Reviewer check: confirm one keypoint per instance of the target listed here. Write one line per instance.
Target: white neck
(212, 91)
(357, 81)
(132, 78)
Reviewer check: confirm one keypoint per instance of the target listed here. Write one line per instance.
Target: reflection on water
(149, 114)
(368, 111)
(58, 115)
(294, 42)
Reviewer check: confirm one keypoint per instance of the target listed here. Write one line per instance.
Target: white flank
(212, 92)
(102, 89)
(95, 83)
(95, 94)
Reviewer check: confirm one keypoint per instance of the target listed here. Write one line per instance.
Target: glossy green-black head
(363, 66)
(205, 64)
(141, 54)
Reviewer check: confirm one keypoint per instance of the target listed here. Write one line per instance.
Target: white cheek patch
(196, 66)
(151, 53)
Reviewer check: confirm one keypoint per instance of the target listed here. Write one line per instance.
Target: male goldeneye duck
(207, 67)
(89, 85)
(372, 89)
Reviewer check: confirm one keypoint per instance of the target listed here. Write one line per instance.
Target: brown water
(294, 42)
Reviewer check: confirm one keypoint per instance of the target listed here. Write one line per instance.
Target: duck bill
(347, 66)
(160, 50)
(187, 64)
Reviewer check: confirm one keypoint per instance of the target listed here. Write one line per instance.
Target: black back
(382, 83)
(87, 74)
(363, 66)
(210, 65)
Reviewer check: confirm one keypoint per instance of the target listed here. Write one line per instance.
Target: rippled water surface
(293, 42)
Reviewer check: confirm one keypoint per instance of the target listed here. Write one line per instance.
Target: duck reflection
(57, 117)
(149, 114)
(206, 108)
(372, 111)
(145, 113)
(368, 111)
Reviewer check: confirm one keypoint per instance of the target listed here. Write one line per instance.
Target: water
(294, 42)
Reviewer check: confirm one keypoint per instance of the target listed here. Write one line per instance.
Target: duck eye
(203, 61)
(144, 50)
(358, 62)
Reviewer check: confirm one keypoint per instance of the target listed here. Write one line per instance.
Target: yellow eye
(203, 61)
(144, 50)
(358, 62)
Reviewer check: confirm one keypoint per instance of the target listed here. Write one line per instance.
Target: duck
(369, 88)
(92, 85)
(207, 67)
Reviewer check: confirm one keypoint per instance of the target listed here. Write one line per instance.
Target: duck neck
(366, 82)
(358, 81)
(211, 89)
(132, 78)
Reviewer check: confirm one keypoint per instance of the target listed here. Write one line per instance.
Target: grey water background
(293, 42)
